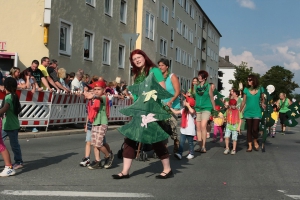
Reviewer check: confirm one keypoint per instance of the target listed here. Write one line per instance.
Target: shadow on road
(44, 162)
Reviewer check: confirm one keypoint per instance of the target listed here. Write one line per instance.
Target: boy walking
(98, 112)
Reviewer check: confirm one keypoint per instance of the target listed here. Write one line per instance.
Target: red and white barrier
(36, 107)
(46, 108)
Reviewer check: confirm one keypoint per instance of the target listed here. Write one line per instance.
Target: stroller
(141, 151)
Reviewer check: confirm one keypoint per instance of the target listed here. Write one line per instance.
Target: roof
(196, 2)
(224, 64)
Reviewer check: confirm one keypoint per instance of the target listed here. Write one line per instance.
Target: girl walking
(187, 127)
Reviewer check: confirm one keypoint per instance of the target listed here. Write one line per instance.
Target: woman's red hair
(148, 63)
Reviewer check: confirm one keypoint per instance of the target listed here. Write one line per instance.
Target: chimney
(227, 58)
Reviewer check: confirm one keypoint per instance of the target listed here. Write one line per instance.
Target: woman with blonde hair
(283, 104)
(61, 73)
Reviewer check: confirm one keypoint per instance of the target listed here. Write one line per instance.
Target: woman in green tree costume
(143, 67)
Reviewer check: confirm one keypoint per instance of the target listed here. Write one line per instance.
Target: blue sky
(262, 33)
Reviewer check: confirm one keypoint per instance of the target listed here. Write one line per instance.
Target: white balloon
(270, 89)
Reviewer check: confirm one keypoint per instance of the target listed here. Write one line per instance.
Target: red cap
(98, 84)
(218, 108)
(232, 102)
(190, 100)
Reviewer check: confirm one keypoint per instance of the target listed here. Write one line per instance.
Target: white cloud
(286, 54)
(246, 3)
(258, 65)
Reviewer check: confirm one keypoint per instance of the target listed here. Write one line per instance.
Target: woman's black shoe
(117, 176)
(256, 148)
(167, 175)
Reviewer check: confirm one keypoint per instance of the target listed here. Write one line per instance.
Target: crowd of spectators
(46, 75)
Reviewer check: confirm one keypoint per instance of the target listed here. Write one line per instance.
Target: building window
(106, 51)
(149, 26)
(187, 6)
(186, 32)
(192, 11)
(165, 14)
(163, 47)
(200, 21)
(198, 65)
(121, 59)
(190, 61)
(199, 43)
(172, 38)
(65, 38)
(178, 54)
(179, 26)
(123, 11)
(184, 58)
(91, 2)
(88, 45)
(191, 34)
(108, 7)
(171, 65)
(173, 8)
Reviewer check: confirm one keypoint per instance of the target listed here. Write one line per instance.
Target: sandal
(198, 150)
(203, 150)
(117, 176)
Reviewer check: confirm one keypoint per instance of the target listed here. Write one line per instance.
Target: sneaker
(178, 156)
(207, 135)
(226, 151)
(17, 165)
(85, 162)
(283, 133)
(34, 130)
(95, 165)
(7, 171)
(190, 156)
(221, 140)
(233, 152)
(109, 160)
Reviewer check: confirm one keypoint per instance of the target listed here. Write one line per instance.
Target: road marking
(291, 196)
(75, 194)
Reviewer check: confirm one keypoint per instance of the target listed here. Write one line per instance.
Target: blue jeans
(189, 138)
(14, 143)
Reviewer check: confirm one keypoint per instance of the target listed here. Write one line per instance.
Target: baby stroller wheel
(154, 155)
(145, 156)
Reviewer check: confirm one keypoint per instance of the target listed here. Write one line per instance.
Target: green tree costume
(146, 111)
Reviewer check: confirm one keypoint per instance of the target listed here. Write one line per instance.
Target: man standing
(52, 71)
(44, 63)
(37, 74)
(76, 84)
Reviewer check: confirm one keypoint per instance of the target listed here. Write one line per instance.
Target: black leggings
(252, 129)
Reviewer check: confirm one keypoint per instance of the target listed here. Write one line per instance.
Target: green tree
(241, 74)
(282, 79)
(296, 96)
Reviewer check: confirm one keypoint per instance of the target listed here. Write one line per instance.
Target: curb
(28, 135)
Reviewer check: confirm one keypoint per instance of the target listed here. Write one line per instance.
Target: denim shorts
(229, 132)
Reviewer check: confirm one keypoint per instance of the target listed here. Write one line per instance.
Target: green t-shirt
(203, 102)
(101, 117)
(233, 127)
(253, 109)
(10, 121)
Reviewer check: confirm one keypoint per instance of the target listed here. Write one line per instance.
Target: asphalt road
(51, 171)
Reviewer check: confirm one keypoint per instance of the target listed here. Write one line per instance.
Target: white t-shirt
(76, 84)
(190, 129)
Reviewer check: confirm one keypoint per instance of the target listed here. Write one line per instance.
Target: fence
(45, 108)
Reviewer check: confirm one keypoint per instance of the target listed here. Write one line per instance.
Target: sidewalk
(50, 133)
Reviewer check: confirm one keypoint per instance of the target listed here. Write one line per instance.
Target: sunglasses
(249, 79)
